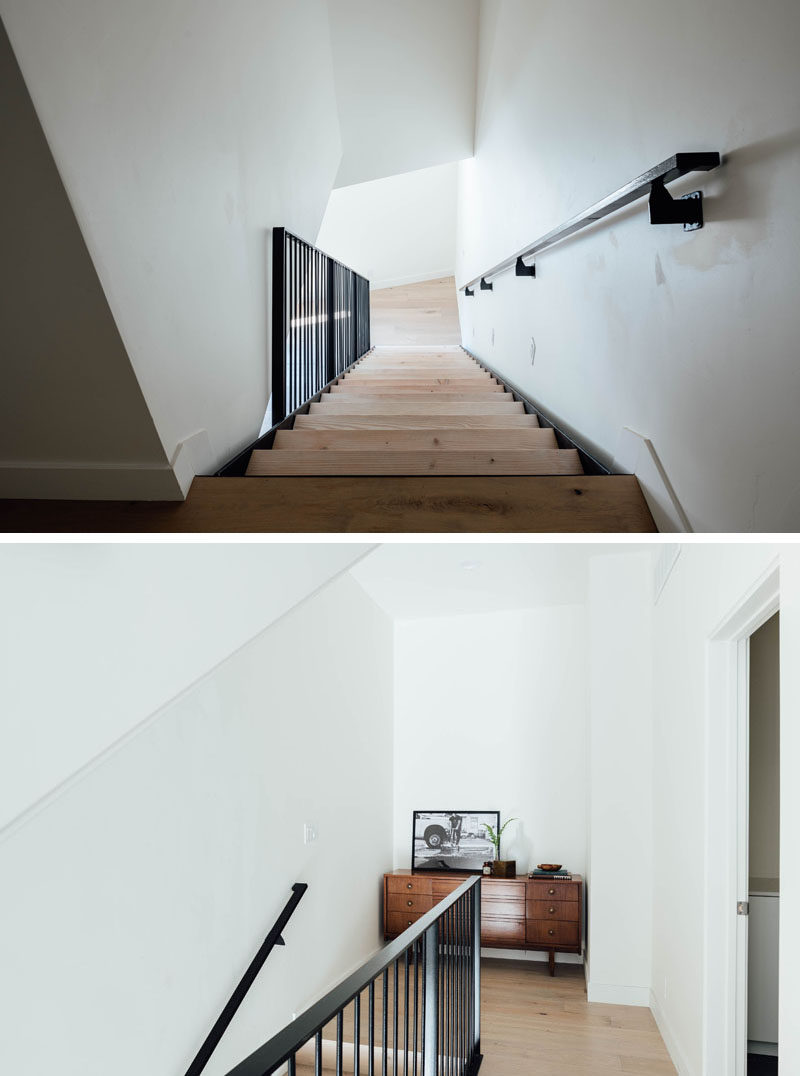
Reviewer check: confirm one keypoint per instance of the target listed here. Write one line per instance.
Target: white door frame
(726, 826)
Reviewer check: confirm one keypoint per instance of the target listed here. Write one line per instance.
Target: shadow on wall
(741, 200)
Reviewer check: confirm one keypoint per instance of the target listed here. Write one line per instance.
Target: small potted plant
(501, 868)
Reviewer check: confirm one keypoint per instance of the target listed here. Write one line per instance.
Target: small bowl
(549, 866)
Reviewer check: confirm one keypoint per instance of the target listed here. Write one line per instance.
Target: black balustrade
(419, 998)
(320, 321)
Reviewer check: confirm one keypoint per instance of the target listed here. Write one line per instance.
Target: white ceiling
(413, 581)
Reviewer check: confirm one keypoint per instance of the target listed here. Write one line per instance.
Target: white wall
(704, 585)
(620, 818)
(94, 638)
(397, 230)
(690, 339)
(133, 903)
(405, 84)
(490, 712)
(57, 331)
(183, 134)
(765, 750)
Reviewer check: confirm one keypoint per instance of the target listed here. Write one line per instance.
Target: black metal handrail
(237, 997)
(663, 210)
(440, 1030)
(320, 320)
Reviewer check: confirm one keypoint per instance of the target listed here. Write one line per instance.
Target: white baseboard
(614, 994)
(636, 455)
(524, 954)
(670, 1041)
(84, 481)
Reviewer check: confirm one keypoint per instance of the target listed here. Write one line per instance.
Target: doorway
(727, 827)
(763, 849)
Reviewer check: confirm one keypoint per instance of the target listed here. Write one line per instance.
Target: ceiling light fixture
(471, 565)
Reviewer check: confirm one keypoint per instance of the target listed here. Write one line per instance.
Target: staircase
(406, 411)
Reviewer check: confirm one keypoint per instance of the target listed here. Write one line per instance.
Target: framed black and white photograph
(452, 840)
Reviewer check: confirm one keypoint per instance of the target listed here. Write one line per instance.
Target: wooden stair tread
(504, 462)
(434, 440)
(414, 405)
(442, 393)
(329, 420)
(416, 388)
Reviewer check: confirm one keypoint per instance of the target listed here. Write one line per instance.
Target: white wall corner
(192, 456)
(671, 1043)
(636, 455)
(612, 994)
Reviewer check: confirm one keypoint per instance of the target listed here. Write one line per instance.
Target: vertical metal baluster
(296, 383)
(451, 1035)
(304, 292)
(417, 950)
(430, 1002)
(318, 1055)
(405, 1015)
(476, 966)
(371, 1031)
(292, 1069)
(395, 977)
(384, 1043)
(462, 1006)
(357, 1035)
(339, 1041)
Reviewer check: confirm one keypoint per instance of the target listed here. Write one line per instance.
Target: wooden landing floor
(328, 504)
(534, 1024)
(546, 1027)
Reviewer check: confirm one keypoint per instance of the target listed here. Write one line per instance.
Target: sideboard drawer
(501, 889)
(397, 922)
(553, 890)
(553, 909)
(499, 931)
(551, 933)
(405, 883)
(409, 902)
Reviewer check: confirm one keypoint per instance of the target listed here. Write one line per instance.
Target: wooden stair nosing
(341, 463)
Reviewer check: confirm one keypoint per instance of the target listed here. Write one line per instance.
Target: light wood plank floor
(425, 313)
(532, 1023)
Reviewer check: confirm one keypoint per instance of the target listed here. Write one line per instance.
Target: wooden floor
(538, 1025)
(425, 313)
(581, 504)
(531, 1023)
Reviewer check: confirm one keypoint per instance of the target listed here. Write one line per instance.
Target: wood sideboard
(516, 913)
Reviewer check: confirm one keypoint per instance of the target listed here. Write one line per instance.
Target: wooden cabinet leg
(552, 961)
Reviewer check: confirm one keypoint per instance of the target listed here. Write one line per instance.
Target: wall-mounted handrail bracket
(664, 209)
(687, 211)
(524, 270)
(486, 285)
(469, 292)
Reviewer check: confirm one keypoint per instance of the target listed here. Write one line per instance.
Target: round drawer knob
(551, 892)
(410, 885)
(410, 903)
(409, 922)
(551, 910)
(551, 932)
